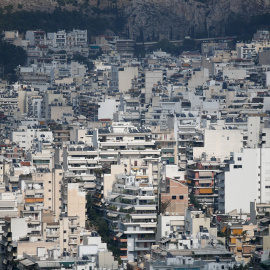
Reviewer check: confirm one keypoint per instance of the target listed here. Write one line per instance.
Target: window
(50, 199)
(50, 182)
(228, 138)
(181, 197)
(50, 190)
(65, 231)
(239, 159)
(237, 166)
(60, 173)
(65, 240)
(173, 197)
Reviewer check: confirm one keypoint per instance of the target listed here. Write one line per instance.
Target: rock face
(155, 19)
(188, 17)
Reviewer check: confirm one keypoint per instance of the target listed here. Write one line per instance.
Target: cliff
(156, 19)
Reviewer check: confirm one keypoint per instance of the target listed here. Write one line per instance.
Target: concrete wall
(107, 109)
(219, 143)
(235, 74)
(168, 224)
(241, 184)
(125, 78)
(177, 196)
(18, 228)
(76, 202)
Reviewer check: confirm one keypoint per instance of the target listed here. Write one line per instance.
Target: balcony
(72, 242)
(146, 239)
(142, 248)
(53, 234)
(73, 224)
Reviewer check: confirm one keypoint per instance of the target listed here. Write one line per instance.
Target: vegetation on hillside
(10, 57)
(51, 22)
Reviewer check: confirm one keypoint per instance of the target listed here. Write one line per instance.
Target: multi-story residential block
(173, 197)
(25, 137)
(245, 179)
(131, 213)
(80, 161)
(36, 37)
(202, 183)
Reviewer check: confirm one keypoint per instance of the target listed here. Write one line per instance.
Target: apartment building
(202, 183)
(187, 135)
(173, 197)
(25, 137)
(245, 179)
(80, 161)
(131, 213)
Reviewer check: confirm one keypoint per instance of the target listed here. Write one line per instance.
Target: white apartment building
(219, 143)
(131, 212)
(152, 77)
(168, 225)
(59, 39)
(125, 77)
(76, 38)
(25, 137)
(186, 132)
(246, 179)
(196, 222)
(131, 146)
(80, 161)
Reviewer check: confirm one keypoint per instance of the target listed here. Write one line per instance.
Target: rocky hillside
(156, 19)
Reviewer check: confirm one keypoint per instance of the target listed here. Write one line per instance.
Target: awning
(127, 198)
(205, 174)
(51, 264)
(113, 196)
(145, 208)
(147, 197)
(144, 217)
(141, 176)
(206, 191)
(89, 185)
(27, 262)
(177, 222)
(147, 225)
(7, 203)
(132, 188)
(112, 215)
(119, 234)
(205, 181)
(127, 207)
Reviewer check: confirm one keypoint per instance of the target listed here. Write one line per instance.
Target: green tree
(10, 57)
(194, 201)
